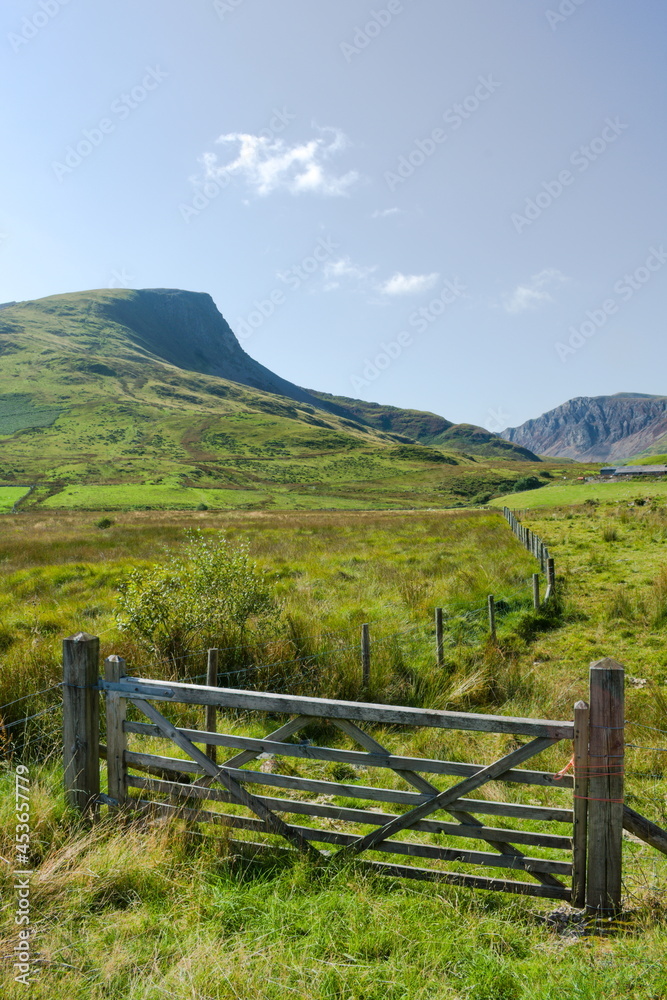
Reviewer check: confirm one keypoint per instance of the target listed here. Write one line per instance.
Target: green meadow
(144, 910)
(9, 495)
(571, 493)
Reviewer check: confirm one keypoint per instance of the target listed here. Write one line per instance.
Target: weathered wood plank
(81, 721)
(179, 792)
(449, 796)
(194, 694)
(581, 736)
(407, 848)
(605, 787)
(643, 828)
(176, 765)
(464, 880)
(273, 823)
(418, 782)
(402, 765)
(211, 681)
(114, 670)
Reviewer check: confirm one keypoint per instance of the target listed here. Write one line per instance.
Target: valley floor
(152, 911)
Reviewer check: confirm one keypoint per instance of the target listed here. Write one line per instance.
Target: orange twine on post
(563, 772)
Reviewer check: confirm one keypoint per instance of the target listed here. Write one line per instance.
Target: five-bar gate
(343, 807)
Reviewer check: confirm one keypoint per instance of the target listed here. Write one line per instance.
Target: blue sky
(453, 205)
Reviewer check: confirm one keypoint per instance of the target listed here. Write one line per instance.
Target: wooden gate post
(114, 671)
(605, 787)
(580, 806)
(365, 655)
(81, 721)
(439, 644)
(211, 722)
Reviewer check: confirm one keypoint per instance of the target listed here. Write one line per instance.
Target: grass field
(146, 911)
(572, 493)
(9, 495)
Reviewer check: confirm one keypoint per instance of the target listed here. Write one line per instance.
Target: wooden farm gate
(582, 866)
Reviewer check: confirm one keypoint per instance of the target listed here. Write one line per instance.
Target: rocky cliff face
(595, 428)
(186, 329)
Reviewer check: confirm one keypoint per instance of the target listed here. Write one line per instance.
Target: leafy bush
(526, 483)
(206, 595)
(104, 522)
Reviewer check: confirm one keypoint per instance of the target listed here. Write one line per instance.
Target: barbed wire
(10, 725)
(34, 694)
(642, 725)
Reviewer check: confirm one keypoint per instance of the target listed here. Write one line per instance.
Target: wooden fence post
(211, 720)
(551, 574)
(365, 655)
(81, 721)
(492, 617)
(439, 645)
(114, 671)
(580, 807)
(605, 787)
(536, 591)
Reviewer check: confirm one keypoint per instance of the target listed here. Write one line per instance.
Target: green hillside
(93, 391)
(648, 460)
(429, 428)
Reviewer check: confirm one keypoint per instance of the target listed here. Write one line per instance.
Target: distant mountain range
(119, 385)
(597, 428)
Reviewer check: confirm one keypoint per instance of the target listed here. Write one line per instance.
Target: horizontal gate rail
(416, 850)
(397, 796)
(353, 756)
(365, 816)
(353, 813)
(192, 694)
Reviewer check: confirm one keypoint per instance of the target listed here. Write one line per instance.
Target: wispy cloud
(336, 272)
(535, 292)
(268, 164)
(408, 284)
(384, 213)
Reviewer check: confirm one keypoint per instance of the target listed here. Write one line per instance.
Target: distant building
(635, 470)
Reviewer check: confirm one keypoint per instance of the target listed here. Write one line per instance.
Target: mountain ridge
(596, 428)
(152, 387)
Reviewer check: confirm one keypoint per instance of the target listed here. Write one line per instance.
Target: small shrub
(526, 483)
(104, 522)
(203, 597)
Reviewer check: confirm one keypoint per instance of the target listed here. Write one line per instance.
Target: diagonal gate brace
(450, 795)
(273, 822)
(419, 782)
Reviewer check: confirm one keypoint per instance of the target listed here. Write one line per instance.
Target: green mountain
(429, 428)
(151, 389)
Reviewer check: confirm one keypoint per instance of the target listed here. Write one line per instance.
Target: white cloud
(408, 284)
(384, 213)
(343, 269)
(269, 164)
(535, 292)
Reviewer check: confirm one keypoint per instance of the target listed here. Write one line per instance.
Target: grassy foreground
(146, 911)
